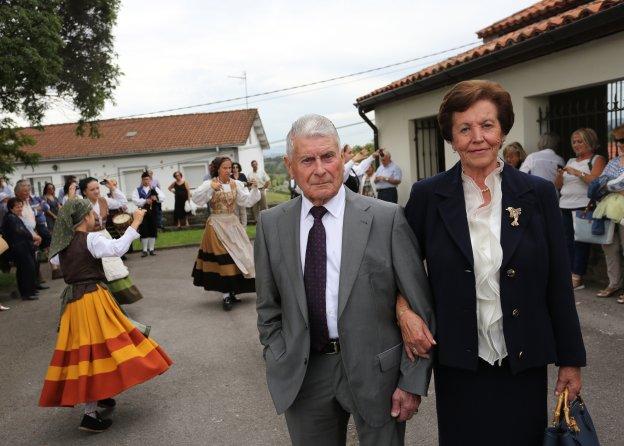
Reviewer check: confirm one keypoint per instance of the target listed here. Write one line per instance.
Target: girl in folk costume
(146, 197)
(117, 275)
(225, 260)
(99, 352)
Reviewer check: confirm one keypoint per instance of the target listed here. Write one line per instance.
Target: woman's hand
(137, 218)
(417, 339)
(253, 184)
(569, 377)
(216, 186)
(37, 239)
(71, 192)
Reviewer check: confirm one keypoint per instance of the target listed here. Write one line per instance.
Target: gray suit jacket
(379, 257)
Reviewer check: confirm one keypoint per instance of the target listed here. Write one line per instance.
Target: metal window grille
(429, 148)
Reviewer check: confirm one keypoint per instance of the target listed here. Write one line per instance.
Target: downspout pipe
(371, 125)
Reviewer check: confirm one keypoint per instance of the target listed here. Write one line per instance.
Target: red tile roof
(534, 13)
(145, 135)
(502, 42)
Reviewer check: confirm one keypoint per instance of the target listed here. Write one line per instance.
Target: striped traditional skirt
(99, 353)
(225, 259)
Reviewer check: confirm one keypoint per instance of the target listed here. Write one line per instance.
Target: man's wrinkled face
(317, 167)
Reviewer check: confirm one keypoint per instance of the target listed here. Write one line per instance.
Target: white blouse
(484, 224)
(99, 246)
(244, 197)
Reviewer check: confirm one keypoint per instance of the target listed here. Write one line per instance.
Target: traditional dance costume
(225, 260)
(99, 352)
(149, 226)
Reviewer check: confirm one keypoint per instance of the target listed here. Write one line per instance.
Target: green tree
(53, 50)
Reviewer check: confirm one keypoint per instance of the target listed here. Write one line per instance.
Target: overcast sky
(174, 54)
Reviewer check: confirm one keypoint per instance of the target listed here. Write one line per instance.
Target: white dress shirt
(141, 201)
(99, 246)
(332, 221)
(244, 197)
(543, 164)
(484, 224)
(358, 170)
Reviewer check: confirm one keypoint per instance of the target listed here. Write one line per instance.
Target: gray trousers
(613, 254)
(260, 205)
(320, 413)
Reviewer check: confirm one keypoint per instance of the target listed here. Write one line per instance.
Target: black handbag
(575, 428)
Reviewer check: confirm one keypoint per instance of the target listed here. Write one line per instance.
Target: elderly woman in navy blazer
(500, 276)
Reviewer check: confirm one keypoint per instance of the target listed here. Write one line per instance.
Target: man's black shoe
(227, 303)
(91, 424)
(152, 253)
(123, 257)
(143, 253)
(42, 287)
(234, 298)
(107, 403)
(30, 298)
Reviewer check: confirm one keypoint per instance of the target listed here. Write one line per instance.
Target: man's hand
(37, 239)
(404, 405)
(569, 377)
(417, 339)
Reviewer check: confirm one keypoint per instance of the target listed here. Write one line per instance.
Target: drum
(122, 221)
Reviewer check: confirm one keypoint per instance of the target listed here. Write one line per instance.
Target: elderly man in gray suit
(329, 265)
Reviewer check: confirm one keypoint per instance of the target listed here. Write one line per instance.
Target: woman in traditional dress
(147, 197)
(117, 275)
(181, 191)
(99, 352)
(225, 260)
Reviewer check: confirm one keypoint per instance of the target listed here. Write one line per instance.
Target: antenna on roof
(244, 79)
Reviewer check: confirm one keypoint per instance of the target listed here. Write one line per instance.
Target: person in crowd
(5, 187)
(69, 190)
(53, 206)
(293, 188)
(387, 177)
(99, 353)
(22, 245)
(90, 189)
(514, 154)
(238, 175)
(33, 217)
(545, 162)
(326, 314)
(4, 198)
(368, 187)
(147, 197)
(611, 204)
(159, 214)
(573, 181)
(355, 166)
(182, 193)
(496, 260)
(225, 259)
(260, 177)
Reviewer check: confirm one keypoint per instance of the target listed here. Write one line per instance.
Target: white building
(128, 147)
(561, 61)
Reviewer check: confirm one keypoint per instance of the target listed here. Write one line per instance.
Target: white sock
(151, 242)
(90, 408)
(226, 295)
(144, 244)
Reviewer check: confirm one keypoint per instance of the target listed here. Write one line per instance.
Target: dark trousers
(45, 235)
(491, 406)
(159, 215)
(320, 413)
(578, 252)
(26, 274)
(389, 194)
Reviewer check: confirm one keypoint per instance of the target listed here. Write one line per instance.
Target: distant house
(164, 144)
(561, 61)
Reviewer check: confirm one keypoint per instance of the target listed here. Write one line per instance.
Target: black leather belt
(331, 348)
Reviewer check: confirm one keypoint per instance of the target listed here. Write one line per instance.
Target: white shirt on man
(543, 164)
(350, 168)
(484, 225)
(260, 176)
(390, 171)
(332, 221)
(141, 201)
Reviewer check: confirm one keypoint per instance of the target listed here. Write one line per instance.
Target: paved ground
(215, 394)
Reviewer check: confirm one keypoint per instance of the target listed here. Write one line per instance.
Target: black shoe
(43, 287)
(152, 253)
(234, 298)
(91, 424)
(227, 303)
(123, 257)
(143, 253)
(107, 403)
(30, 298)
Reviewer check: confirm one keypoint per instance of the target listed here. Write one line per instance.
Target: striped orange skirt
(99, 353)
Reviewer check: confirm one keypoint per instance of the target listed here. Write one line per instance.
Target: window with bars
(429, 148)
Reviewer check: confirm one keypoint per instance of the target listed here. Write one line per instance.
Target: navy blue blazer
(540, 322)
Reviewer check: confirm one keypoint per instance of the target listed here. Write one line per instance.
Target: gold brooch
(514, 213)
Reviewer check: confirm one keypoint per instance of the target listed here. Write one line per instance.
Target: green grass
(274, 197)
(183, 237)
(8, 281)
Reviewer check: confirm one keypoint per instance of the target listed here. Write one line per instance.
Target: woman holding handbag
(182, 193)
(573, 181)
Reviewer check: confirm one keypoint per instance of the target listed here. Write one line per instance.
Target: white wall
(251, 151)
(529, 84)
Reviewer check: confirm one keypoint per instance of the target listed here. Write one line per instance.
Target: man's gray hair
(549, 140)
(310, 126)
(19, 184)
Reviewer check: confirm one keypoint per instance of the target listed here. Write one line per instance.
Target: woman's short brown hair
(464, 94)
